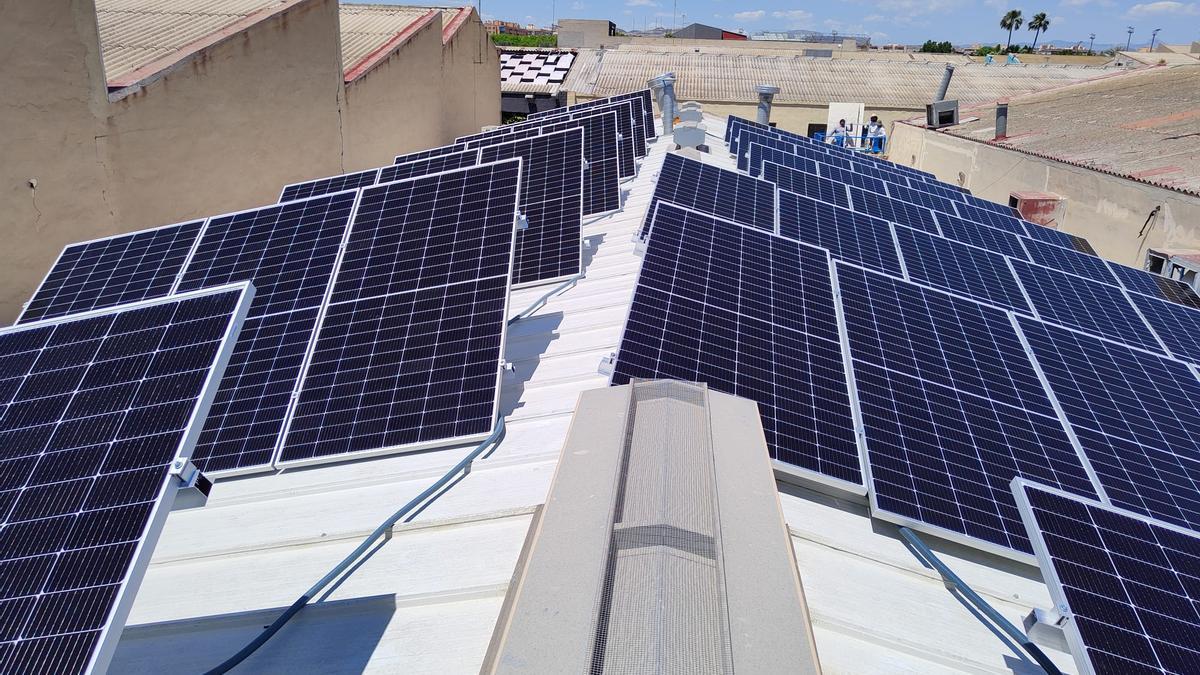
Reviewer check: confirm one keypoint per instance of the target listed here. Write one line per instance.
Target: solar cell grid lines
(715, 191)
(601, 178)
(850, 177)
(1066, 260)
(953, 193)
(94, 409)
(1155, 285)
(988, 205)
(1126, 583)
(961, 269)
(408, 351)
(1136, 415)
(324, 186)
(751, 314)
(425, 154)
(421, 167)
(749, 137)
(1078, 302)
(952, 409)
(892, 210)
(1178, 326)
(761, 154)
(807, 184)
(113, 271)
(929, 201)
(982, 236)
(503, 135)
(640, 98)
(628, 125)
(847, 235)
(991, 218)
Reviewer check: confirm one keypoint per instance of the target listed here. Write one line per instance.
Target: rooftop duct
(944, 87)
(661, 547)
(664, 90)
(766, 94)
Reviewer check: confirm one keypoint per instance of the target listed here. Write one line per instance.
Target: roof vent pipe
(766, 93)
(656, 88)
(665, 85)
(1001, 121)
(945, 86)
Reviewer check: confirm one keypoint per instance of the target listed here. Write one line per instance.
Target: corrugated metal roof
(133, 33)
(528, 71)
(730, 76)
(1141, 125)
(367, 28)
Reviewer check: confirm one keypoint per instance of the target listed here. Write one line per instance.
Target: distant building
(699, 31)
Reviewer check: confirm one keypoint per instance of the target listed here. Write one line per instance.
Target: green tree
(931, 47)
(1011, 21)
(1038, 24)
(506, 40)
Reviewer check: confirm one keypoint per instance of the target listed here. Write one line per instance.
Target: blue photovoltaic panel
(750, 314)
(1155, 285)
(991, 218)
(408, 352)
(502, 135)
(990, 238)
(747, 137)
(761, 154)
(423, 167)
(1066, 260)
(952, 410)
(961, 269)
(1059, 238)
(643, 126)
(807, 184)
(850, 177)
(1126, 584)
(94, 409)
(288, 251)
(928, 200)
(1077, 302)
(113, 271)
(1177, 325)
(551, 201)
(734, 124)
(944, 190)
(628, 124)
(601, 178)
(324, 186)
(1135, 414)
(626, 138)
(708, 189)
(893, 210)
(848, 235)
(425, 154)
(641, 99)
(987, 205)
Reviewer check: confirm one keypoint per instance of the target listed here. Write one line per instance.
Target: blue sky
(906, 21)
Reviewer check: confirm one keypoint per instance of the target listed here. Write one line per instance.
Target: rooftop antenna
(1129, 39)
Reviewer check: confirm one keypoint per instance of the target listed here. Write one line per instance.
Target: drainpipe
(665, 83)
(1001, 121)
(945, 86)
(766, 93)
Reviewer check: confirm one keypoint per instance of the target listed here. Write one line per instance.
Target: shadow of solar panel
(715, 191)
(113, 271)
(1136, 415)
(324, 186)
(1126, 584)
(961, 269)
(752, 315)
(289, 252)
(1155, 285)
(982, 236)
(952, 409)
(408, 352)
(847, 235)
(1078, 302)
(807, 184)
(422, 167)
(892, 210)
(94, 410)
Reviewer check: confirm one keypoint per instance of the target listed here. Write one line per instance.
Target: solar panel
(761, 154)
(1177, 326)
(988, 205)
(1066, 260)
(748, 137)
(552, 202)
(991, 218)
(289, 252)
(629, 122)
(961, 269)
(1076, 302)
(113, 271)
(640, 98)
(1127, 585)
(501, 135)
(847, 235)
(990, 238)
(94, 410)
(408, 352)
(751, 314)
(807, 184)
(708, 189)
(601, 177)
(734, 124)
(1135, 414)
(626, 135)
(324, 186)
(952, 410)
(1155, 285)
(849, 177)
(944, 190)
(928, 200)
(426, 154)
(892, 210)
(1059, 238)
(421, 167)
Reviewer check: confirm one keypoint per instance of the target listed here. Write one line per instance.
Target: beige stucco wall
(225, 130)
(394, 108)
(1107, 210)
(470, 81)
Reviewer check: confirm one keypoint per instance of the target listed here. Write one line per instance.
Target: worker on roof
(878, 135)
(839, 134)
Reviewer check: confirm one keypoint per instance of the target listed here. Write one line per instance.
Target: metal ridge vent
(661, 547)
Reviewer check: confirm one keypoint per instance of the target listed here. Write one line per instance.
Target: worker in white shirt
(839, 134)
(878, 135)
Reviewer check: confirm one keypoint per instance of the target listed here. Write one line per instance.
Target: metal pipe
(927, 556)
(945, 86)
(666, 83)
(1001, 121)
(766, 94)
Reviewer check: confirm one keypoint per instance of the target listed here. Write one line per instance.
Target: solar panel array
(708, 189)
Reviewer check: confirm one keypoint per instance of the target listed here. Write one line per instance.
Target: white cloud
(1164, 7)
(578, 6)
(918, 6)
(794, 15)
(641, 3)
(1085, 3)
(753, 15)
(870, 18)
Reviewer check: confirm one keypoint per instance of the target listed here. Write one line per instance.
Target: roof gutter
(385, 51)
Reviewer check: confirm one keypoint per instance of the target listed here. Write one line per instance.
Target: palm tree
(1011, 21)
(1038, 24)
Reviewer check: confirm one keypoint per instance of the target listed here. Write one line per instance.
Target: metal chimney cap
(767, 89)
(664, 79)
(950, 67)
